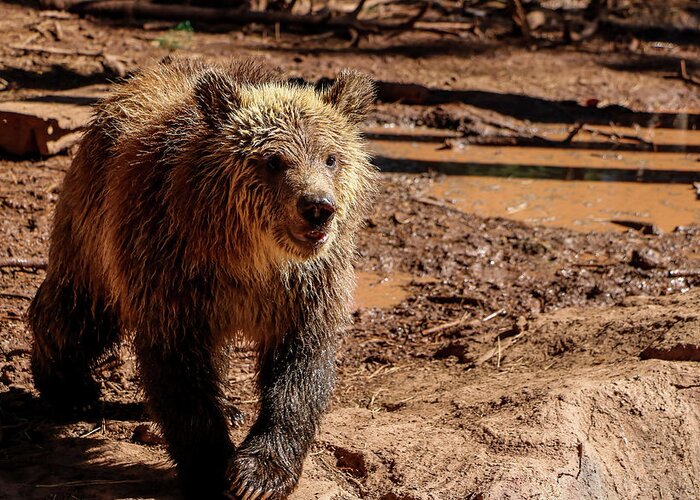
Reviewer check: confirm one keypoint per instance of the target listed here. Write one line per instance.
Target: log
(145, 10)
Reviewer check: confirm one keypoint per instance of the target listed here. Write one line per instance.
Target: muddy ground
(488, 358)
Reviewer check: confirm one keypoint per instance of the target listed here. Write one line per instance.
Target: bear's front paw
(257, 475)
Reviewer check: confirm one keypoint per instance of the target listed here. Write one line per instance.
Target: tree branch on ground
(347, 22)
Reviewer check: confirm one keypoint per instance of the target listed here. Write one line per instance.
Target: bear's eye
(330, 161)
(273, 163)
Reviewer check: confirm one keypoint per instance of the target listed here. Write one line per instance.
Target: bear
(210, 203)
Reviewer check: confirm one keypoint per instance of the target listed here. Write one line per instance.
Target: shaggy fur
(179, 221)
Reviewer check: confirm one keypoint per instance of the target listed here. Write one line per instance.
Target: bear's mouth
(310, 239)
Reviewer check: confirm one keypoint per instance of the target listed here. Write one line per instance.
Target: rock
(536, 19)
(646, 259)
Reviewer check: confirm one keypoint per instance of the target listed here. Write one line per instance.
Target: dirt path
(503, 360)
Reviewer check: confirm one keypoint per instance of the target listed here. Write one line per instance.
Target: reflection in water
(537, 162)
(580, 188)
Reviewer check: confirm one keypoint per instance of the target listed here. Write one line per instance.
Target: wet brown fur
(169, 226)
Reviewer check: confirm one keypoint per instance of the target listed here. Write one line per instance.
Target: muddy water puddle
(577, 188)
(381, 291)
(582, 205)
(537, 162)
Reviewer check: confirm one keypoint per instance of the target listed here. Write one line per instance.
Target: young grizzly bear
(208, 202)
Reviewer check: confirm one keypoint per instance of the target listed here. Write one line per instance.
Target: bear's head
(299, 174)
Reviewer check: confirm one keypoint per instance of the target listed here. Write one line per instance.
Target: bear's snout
(317, 209)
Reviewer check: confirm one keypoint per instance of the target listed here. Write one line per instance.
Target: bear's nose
(317, 210)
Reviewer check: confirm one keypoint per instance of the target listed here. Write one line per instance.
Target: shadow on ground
(41, 458)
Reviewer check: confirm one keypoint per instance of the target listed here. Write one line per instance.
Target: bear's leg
(296, 379)
(71, 332)
(181, 377)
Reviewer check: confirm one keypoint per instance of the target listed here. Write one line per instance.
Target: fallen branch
(12, 295)
(145, 10)
(57, 50)
(616, 137)
(23, 263)
(524, 137)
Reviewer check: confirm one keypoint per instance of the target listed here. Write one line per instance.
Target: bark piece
(40, 128)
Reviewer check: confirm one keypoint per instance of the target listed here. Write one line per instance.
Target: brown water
(382, 291)
(575, 188)
(580, 205)
(537, 156)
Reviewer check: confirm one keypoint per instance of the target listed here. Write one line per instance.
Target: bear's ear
(216, 96)
(352, 94)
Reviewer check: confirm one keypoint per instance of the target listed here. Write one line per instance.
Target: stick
(10, 295)
(572, 133)
(57, 50)
(500, 312)
(93, 431)
(615, 136)
(358, 9)
(498, 361)
(435, 203)
(460, 321)
(10, 318)
(498, 350)
(685, 76)
(23, 263)
(88, 483)
(520, 18)
(684, 273)
(444, 326)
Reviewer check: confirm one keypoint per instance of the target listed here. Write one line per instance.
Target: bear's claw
(254, 478)
(246, 491)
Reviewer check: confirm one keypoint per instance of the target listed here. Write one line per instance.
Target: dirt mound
(578, 415)
(561, 423)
